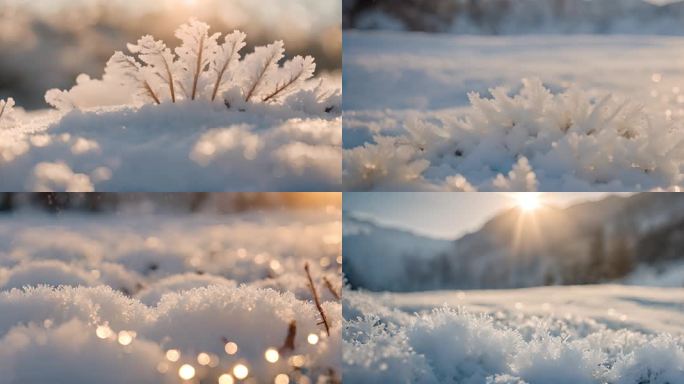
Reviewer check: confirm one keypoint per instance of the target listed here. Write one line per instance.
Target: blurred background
(517, 16)
(218, 203)
(435, 241)
(47, 43)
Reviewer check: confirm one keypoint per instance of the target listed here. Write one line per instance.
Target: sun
(528, 201)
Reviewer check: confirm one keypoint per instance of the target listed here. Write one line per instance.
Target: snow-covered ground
(579, 334)
(407, 101)
(149, 298)
(202, 117)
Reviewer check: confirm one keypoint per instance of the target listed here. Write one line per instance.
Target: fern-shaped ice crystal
(6, 112)
(204, 67)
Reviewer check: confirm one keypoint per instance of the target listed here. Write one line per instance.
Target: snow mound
(534, 140)
(178, 283)
(197, 118)
(40, 354)
(48, 272)
(80, 293)
(447, 345)
(203, 146)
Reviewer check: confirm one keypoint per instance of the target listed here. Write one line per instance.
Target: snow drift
(515, 337)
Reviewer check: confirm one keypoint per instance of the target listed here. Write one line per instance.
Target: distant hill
(586, 243)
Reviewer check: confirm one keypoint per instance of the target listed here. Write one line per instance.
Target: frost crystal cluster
(446, 345)
(155, 299)
(204, 67)
(534, 140)
(6, 112)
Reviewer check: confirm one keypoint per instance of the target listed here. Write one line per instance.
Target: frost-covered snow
(441, 112)
(590, 334)
(199, 118)
(103, 298)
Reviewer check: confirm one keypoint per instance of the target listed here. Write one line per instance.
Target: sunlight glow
(528, 202)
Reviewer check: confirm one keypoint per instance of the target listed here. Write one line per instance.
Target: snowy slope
(637, 238)
(406, 256)
(446, 112)
(104, 298)
(592, 334)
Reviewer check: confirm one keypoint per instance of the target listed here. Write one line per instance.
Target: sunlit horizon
(449, 216)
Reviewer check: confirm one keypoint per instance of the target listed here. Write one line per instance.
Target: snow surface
(413, 119)
(158, 121)
(583, 334)
(94, 298)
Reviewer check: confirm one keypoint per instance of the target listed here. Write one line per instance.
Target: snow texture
(569, 128)
(92, 298)
(592, 334)
(195, 118)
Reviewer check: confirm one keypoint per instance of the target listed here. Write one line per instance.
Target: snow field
(136, 298)
(543, 335)
(450, 113)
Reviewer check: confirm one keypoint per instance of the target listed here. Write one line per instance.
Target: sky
(446, 215)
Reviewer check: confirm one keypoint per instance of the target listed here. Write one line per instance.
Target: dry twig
(317, 300)
(330, 287)
(288, 345)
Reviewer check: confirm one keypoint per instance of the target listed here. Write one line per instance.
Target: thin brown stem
(330, 287)
(282, 88)
(2, 111)
(334, 379)
(198, 69)
(260, 77)
(219, 77)
(317, 300)
(150, 92)
(288, 345)
(170, 73)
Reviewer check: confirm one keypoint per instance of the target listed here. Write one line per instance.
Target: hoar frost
(199, 116)
(204, 67)
(388, 344)
(6, 112)
(133, 298)
(535, 140)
